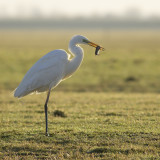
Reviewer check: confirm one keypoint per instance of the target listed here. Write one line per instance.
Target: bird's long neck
(75, 62)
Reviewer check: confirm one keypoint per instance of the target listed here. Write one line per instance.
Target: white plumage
(46, 73)
(51, 69)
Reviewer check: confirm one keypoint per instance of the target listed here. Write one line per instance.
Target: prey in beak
(97, 50)
(94, 45)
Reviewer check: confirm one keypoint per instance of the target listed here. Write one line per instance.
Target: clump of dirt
(131, 79)
(58, 113)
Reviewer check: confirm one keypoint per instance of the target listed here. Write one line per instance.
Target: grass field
(111, 103)
(103, 125)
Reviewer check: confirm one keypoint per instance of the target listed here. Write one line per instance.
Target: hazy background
(49, 9)
(127, 29)
(102, 14)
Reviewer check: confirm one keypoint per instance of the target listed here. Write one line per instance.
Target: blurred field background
(111, 104)
(129, 63)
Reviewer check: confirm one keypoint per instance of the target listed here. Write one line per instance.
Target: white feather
(46, 73)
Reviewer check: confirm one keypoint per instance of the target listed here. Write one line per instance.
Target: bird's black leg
(46, 112)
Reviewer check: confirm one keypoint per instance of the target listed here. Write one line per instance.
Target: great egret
(53, 68)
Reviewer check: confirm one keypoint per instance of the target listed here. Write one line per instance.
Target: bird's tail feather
(20, 92)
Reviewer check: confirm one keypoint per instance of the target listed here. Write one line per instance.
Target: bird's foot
(47, 134)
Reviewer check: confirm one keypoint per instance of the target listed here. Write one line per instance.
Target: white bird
(53, 68)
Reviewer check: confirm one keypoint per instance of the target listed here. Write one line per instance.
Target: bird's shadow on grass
(51, 139)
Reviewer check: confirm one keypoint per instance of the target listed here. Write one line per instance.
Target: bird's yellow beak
(95, 45)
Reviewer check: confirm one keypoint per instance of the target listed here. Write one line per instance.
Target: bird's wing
(45, 73)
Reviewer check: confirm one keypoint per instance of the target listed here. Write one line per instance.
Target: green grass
(97, 126)
(111, 104)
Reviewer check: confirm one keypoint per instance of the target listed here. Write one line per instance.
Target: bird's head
(78, 39)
